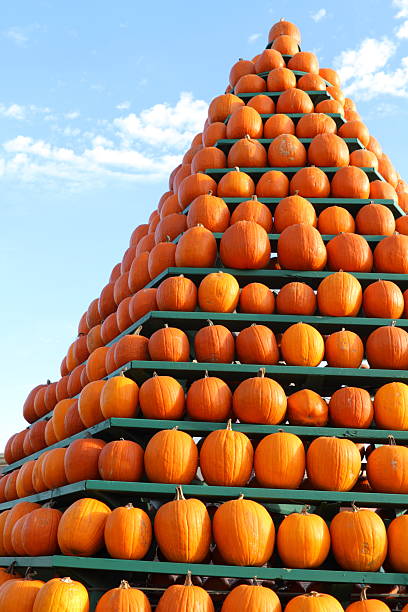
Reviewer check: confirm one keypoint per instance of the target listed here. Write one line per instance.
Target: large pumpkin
(294, 100)
(123, 598)
(81, 528)
(302, 345)
(310, 182)
(391, 254)
(197, 248)
(245, 120)
(169, 344)
(236, 184)
(313, 124)
(339, 295)
(306, 407)
(240, 68)
(278, 124)
(62, 595)
(328, 150)
(121, 460)
(397, 535)
(344, 349)
(359, 540)
(185, 598)
(279, 461)
(257, 344)
(209, 210)
(375, 219)
(303, 540)
(286, 151)
(162, 397)
(387, 347)
(248, 153)
(333, 464)
(128, 533)
(183, 529)
(214, 344)
(119, 398)
(253, 210)
(19, 595)
(387, 468)
(283, 27)
(259, 400)
(280, 79)
(171, 456)
(81, 459)
(272, 184)
(349, 252)
(391, 406)
(268, 60)
(350, 182)
(291, 210)
(177, 293)
(304, 61)
(351, 407)
(53, 468)
(89, 403)
(314, 602)
(300, 247)
(383, 299)
(226, 458)
(218, 292)
(209, 399)
(39, 533)
(245, 245)
(161, 256)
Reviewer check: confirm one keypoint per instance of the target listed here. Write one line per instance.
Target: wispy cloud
(72, 115)
(253, 37)
(125, 105)
(319, 15)
(17, 36)
(402, 30)
(13, 111)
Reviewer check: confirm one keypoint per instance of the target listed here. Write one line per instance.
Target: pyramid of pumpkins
(302, 141)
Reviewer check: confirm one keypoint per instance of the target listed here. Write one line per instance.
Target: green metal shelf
(225, 144)
(115, 428)
(277, 278)
(200, 569)
(256, 173)
(315, 96)
(353, 206)
(282, 500)
(339, 119)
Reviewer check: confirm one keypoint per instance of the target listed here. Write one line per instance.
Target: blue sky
(99, 100)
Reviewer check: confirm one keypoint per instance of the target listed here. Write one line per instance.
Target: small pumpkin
(62, 595)
(128, 533)
(391, 254)
(253, 210)
(344, 349)
(236, 184)
(161, 256)
(292, 210)
(259, 400)
(375, 219)
(245, 245)
(314, 602)
(391, 406)
(303, 540)
(122, 598)
(81, 459)
(244, 120)
(169, 344)
(214, 344)
(257, 344)
(280, 461)
(349, 252)
(218, 292)
(306, 407)
(171, 456)
(209, 211)
(340, 468)
(313, 124)
(387, 347)
(162, 397)
(310, 182)
(300, 247)
(119, 398)
(328, 150)
(185, 598)
(197, 248)
(19, 595)
(256, 298)
(89, 403)
(121, 460)
(397, 543)
(286, 151)
(177, 293)
(383, 299)
(272, 184)
(387, 468)
(278, 124)
(294, 100)
(350, 182)
(302, 345)
(339, 295)
(209, 399)
(335, 220)
(296, 299)
(39, 532)
(247, 152)
(351, 407)
(247, 598)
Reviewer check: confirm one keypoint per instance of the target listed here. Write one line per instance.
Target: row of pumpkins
(35, 596)
(184, 529)
(280, 461)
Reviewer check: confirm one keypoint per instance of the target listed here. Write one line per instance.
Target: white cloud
(125, 105)
(318, 16)
(72, 115)
(17, 36)
(253, 37)
(402, 5)
(402, 31)
(14, 111)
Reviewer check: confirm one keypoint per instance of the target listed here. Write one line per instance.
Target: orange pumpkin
(387, 347)
(245, 245)
(119, 398)
(121, 460)
(328, 150)
(350, 182)
(306, 407)
(351, 407)
(387, 468)
(283, 27)
(296, 299)
(349, 252)
(262, 103)
(81, 459)
(286, 151)
(222, 106)
(171, 456)
(303, 540)
(240, 68)
(335, 220)
(169, 344)
(218, 292)
(383, 299)
(81, 528)
(292, 210)
(236, 184)
(162, 397)
(339, 295)
(340, 468)
(128, 533)
(247, 152)
(313, 124)
(257, 298)
(391, 254)
(184, 598)
(209, 399)
(209, 211)
(259, 400)
(257, 344)
(89, 403)
(344, 349)
(243, 121)
(197, 248)
(214, 344)
(294, 100)
(300, 247)
(280, 461)
(391, 406)
(310, 183)
(268, 60)
(250, 83)
(280, 79)
(304, 61)
(278, 124)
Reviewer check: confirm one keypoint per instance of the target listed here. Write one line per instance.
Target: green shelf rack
(225, 144)
(337, 118)
(256, 173)
(315, 96)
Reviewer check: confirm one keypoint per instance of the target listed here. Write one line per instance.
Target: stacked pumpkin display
(253, 339)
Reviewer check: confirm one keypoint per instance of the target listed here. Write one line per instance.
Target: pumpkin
(250, 83)
(245, 120)
(294, 100)
(259, 400)
(121, 460)
(175, 223)
(387, 170)
(214, 132)
(240, 68)
(189, 156)
(95, 366)
(383, 299)
(382, 190)
(311, 82)
(391, 406)
(39, 532)
(391, 254)
(247, 152)
(162, 397)
(161, 256)
(177, 293)
(53, 469)
(24, 481)
(313, 124)
(81, 528)
(171, 456)
(296, 299)
(16, 540)
(238, 545)
(339, 295)
(272, 184)
(185, 598)
(253, 210)
(209, 399)
(363, 159)
(302, 345)
(257, 344)
(36, 436)
(197, 248)
(303, 540)
(3, 518)
(19, 595)
(81, 459)
(401, 225)
(387, 347)
(292, 210)
(218, 292)
(349, 252)
(256, 298)
(208, 157)
(62, 595)
(359, 540)
(5, 576)
(330, 75)
(37, 477)
(109, 329)
(350, 182)
(132, 347)
(106, 303)
(214, 344)
(119, 398)
(284, 27)
(245, 245)
(92, 314)
(268, 60)
(236, 184)
(182, 172)
(141, 230)
(300, 247)
(335, 220)
(123, 598)
(190, 187)
(93, 341)
(142, 302)
(387, 468)
(280, 79)
(39, 401)
(351, 407)
(328, 150)
(28, 406)
(247, 598)
(209, 211)
(50, 395)
(397, 543)
(222, 106)
(226, 458)
(169, 344)
(310, 183)
(304, 61)
(314, 602)
(375, 219)
(286, 151)
(306, 407)
(128, 533)
(10, 491)
(344, 349)
(89, 403)
(330, 106)
(285, 44)
(279, 461)
(262, 103)
(355, 129)
(340, 468)
(278, 124)
(15, 513)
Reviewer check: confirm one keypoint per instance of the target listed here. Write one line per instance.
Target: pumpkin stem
(391, 440)
(261, 372)
(129, 505)
(312, 594)
(210, 192)
(155, 374)
(166, 325)
(176, 427)
(241, 496)
(67, 580)
(355, 508)
(48, 381)
(363, 594)
(254, 198)
(255, 580)
(229, 425)
(393, 323)
(30, 573)
(138, 330)
(168, 239)
(11, 568)
(124, 584)
(210, 323)
(305, 509)
(206, 374)
(247, 137)
(236, 169)
(179, 493)
(188, 581)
